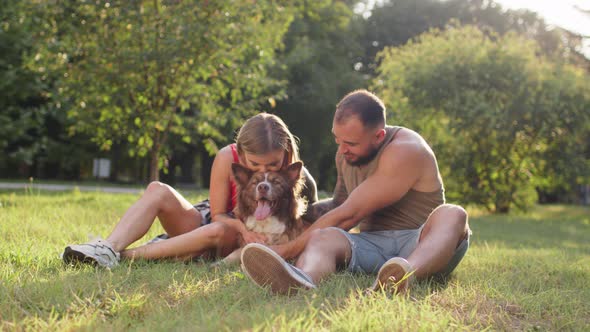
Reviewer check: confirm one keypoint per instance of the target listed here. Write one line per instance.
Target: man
(390, 187)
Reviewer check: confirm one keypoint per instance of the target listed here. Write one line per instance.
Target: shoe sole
(396, 268)
(266, 268)
(71, 256)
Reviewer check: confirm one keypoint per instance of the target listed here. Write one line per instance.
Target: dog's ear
(241, 173)
(294, 171)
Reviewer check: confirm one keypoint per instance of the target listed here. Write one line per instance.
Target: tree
(490, 105)
(32, 134)
(564, 166)
(140, 71)
(321, 48)
(20, 89)
(393, 23)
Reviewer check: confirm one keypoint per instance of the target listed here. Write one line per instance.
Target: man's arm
(398, 170)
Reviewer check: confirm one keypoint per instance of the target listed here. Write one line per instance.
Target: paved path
(66, 187)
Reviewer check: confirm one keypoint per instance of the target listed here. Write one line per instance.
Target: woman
(264, 143)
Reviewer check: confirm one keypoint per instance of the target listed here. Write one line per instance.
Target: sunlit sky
(562, 13)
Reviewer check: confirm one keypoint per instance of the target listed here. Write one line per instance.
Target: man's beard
(361, 161)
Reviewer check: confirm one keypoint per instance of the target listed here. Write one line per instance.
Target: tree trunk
(502, 205)
(154, 169)
(206, 163)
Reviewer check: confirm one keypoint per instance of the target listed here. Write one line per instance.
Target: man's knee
(328, 240)
(320, 237)
(451, 213)
(326, 245)
(448, 216)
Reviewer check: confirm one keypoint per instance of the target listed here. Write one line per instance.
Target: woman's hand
(251, 237)
(238, 226)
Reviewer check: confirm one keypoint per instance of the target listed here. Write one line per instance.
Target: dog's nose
(262, 187)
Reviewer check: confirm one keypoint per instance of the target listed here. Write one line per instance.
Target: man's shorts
(370, 250)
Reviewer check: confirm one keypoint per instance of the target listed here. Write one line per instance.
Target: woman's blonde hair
(264, 133)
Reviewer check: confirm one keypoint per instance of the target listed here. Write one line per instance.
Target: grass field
(523, 272)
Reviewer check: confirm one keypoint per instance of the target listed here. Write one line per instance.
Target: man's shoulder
(406, 141)
(409, 154)
(404, 134)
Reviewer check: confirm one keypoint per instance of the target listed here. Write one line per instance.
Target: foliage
(165, 82)
(565, 163)
(320, 51)
(140, 71)
(18, 86)
(489, 106)
(32, 133)
(393, 23)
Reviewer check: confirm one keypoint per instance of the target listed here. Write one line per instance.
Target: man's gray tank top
(410, 212)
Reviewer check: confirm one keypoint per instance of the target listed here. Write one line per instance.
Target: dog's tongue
(262, 210)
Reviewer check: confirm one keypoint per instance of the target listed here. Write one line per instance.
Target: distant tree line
(158, 86)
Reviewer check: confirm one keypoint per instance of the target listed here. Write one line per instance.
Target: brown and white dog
(269, 203)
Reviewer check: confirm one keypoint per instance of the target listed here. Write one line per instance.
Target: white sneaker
(395, 275)
(96, 252)
(266, 268)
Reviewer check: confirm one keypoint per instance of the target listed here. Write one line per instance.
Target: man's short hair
(368, 108)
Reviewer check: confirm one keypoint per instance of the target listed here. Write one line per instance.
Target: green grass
(523, 272)
(90, 182)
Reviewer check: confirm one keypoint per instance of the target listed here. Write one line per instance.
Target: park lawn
(523, 272)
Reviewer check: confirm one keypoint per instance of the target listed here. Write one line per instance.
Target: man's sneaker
(395, 275)
(96, 252)
(159, 238)
(266, 268)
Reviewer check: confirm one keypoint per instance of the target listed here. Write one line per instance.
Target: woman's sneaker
(96, 252)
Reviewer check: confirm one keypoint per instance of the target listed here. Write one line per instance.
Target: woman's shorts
(370, 250)
(204, 209)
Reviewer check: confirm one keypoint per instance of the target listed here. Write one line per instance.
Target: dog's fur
(279, 194)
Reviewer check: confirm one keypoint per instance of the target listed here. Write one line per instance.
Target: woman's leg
(224, 239)
(175, 213)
